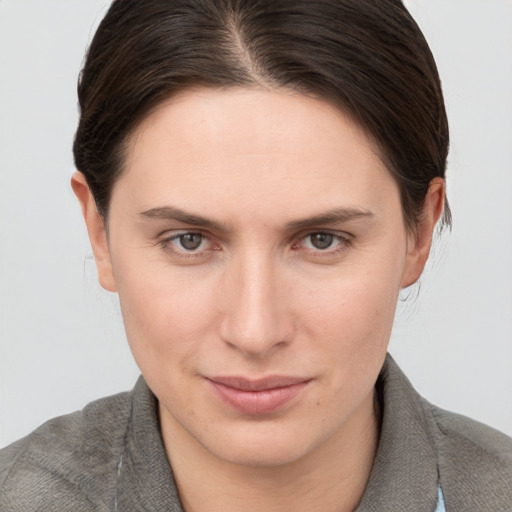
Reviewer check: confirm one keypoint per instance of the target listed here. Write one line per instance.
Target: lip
(257, 397)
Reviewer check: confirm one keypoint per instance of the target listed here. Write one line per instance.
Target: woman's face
(257, 244)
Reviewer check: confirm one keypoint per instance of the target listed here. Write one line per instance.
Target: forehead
(211, 148)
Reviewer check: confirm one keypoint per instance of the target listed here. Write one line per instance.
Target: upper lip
(262, 384)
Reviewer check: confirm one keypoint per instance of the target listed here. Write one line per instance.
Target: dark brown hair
(368, 57)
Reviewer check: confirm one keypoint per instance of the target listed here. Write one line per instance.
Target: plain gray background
(61, 337)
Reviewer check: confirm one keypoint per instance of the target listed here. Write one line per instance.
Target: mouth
(258, 397)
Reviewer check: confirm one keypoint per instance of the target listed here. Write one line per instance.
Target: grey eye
(321, 240)
(191, 241)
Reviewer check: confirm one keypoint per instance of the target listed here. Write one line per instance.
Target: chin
(263, 446)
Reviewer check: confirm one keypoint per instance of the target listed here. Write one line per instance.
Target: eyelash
(344, 242)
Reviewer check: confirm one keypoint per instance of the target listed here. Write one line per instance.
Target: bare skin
(256, 237)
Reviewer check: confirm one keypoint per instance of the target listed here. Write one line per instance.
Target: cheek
(166, 314)
(357, 304)
(350, 333)
(350, 318)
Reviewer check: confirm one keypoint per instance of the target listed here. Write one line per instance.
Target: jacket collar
(404, 474)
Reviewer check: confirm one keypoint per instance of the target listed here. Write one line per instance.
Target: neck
(332, 477)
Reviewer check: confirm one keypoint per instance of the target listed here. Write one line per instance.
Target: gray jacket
(110, 457)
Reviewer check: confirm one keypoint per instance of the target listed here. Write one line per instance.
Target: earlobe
(96, 230)
(419, 243)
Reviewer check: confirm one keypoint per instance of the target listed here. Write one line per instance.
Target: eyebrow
(337, 215)
(171, 213)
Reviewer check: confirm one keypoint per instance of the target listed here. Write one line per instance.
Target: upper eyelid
(190, 232)
(344, 235)
(172, 233)
(183, 233)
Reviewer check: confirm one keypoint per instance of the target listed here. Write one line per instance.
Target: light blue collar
(440, 501)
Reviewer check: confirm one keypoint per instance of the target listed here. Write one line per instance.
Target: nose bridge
(255, 317)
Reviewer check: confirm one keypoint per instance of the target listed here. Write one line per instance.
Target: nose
(256, 319)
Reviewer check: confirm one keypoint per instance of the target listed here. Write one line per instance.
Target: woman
(259, 181)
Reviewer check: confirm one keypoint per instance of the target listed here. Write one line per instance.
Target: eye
(323, 243)
(320, 241)
(190, 241)
(187, 243)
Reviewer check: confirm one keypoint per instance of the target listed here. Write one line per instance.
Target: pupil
(322, 240)
(191, 241)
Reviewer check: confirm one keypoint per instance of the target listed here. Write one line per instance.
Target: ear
(418, 244)
(97, 231)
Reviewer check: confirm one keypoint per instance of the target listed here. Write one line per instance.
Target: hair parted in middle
(366, 57)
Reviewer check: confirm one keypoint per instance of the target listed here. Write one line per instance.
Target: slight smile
(258, 397)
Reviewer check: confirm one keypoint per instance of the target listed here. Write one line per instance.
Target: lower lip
(256, 403)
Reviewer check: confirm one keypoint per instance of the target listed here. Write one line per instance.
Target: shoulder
(471, 461)
(471, 445)
(70, 456)
(474, 460)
